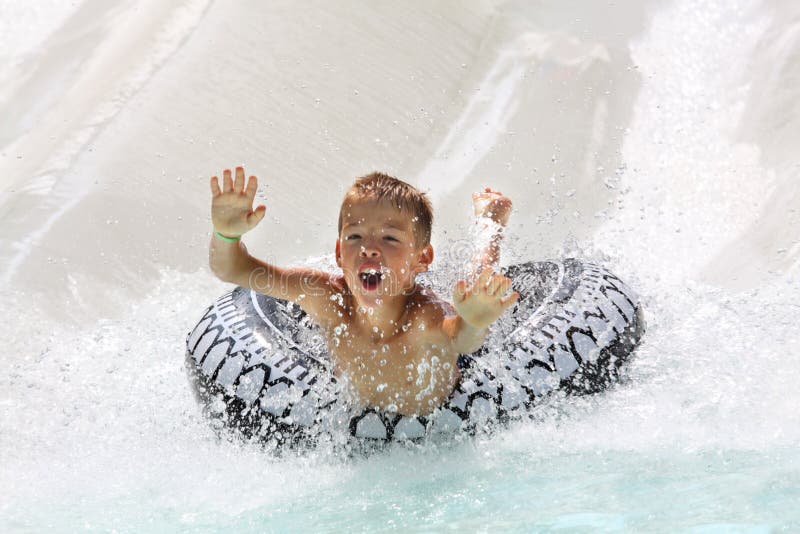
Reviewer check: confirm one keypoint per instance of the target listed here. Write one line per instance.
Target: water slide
(656, 137)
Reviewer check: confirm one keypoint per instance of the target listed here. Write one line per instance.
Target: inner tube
(259, 366)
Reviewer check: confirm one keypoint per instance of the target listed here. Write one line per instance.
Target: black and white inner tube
(259, 367)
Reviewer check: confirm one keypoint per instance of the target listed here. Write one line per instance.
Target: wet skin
(395, 343)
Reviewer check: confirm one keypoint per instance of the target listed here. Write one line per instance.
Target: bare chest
(409, 373)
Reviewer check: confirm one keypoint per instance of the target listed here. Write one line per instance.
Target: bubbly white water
(99, 430)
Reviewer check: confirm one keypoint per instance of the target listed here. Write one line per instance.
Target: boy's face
(377, 250)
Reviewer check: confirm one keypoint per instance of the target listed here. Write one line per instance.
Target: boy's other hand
(485, 300)
(493, 205)
(232, 212)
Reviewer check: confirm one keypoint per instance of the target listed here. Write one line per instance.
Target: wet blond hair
(379, 187)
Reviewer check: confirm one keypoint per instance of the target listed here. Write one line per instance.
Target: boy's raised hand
(485, 300)
(232, 212)
(493, 205)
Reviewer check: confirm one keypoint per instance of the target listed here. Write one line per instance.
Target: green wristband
(226, 238)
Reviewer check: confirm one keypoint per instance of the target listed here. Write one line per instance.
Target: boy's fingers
(255, 216)
(498, 285)
(493, 283)
(480, 283)
(507, 302)
(238, 184)
(227, 183)
(505, 286)
(215, 186)
(252, 187)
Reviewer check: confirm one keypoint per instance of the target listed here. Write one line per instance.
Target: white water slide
(658, 138)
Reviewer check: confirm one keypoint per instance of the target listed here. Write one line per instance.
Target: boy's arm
(482, 302)
(232, 215)
(492, 211)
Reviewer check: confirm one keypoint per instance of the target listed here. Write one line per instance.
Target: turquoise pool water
(697, 439)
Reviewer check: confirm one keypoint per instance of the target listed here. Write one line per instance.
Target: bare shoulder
(329, 300)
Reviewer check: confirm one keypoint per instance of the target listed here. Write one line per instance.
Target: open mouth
(371, 279)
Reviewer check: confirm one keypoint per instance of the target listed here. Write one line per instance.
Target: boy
(395, 343)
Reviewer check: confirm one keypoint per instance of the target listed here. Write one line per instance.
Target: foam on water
(98, 427)
(721, 362)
